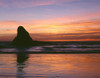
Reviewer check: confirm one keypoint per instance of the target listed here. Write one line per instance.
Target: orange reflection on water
(50, 65)
(7, 65)
(65, 64)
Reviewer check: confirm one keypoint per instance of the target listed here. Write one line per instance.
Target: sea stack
(23, 38)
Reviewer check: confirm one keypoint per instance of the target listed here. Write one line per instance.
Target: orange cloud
(78, 31)
(56, 29)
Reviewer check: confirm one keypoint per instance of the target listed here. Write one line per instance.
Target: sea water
(24, 65)
(54, 47)
(50, 66)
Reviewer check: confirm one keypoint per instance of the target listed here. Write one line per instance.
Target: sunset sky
(51, 20)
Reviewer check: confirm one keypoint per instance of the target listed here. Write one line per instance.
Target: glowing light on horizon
(51, 17)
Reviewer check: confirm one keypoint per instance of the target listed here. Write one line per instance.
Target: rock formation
(1, 46)
(23, 38)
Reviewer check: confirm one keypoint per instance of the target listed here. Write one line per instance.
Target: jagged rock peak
(23, 38)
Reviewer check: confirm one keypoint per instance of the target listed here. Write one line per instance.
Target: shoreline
(87, 52)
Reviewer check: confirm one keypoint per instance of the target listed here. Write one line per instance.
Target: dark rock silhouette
(1, 46)
(23, 38)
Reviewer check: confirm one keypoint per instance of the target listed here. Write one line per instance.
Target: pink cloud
(2, 4)
(72, 23)
(30, 3)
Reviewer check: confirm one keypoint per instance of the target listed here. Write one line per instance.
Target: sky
(51, 20)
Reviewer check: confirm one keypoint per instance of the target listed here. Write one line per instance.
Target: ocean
(56, 60)
(54, 47)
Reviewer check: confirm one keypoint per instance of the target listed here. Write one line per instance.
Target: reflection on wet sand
(21, 59)
(50, 65)
(65, 65)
